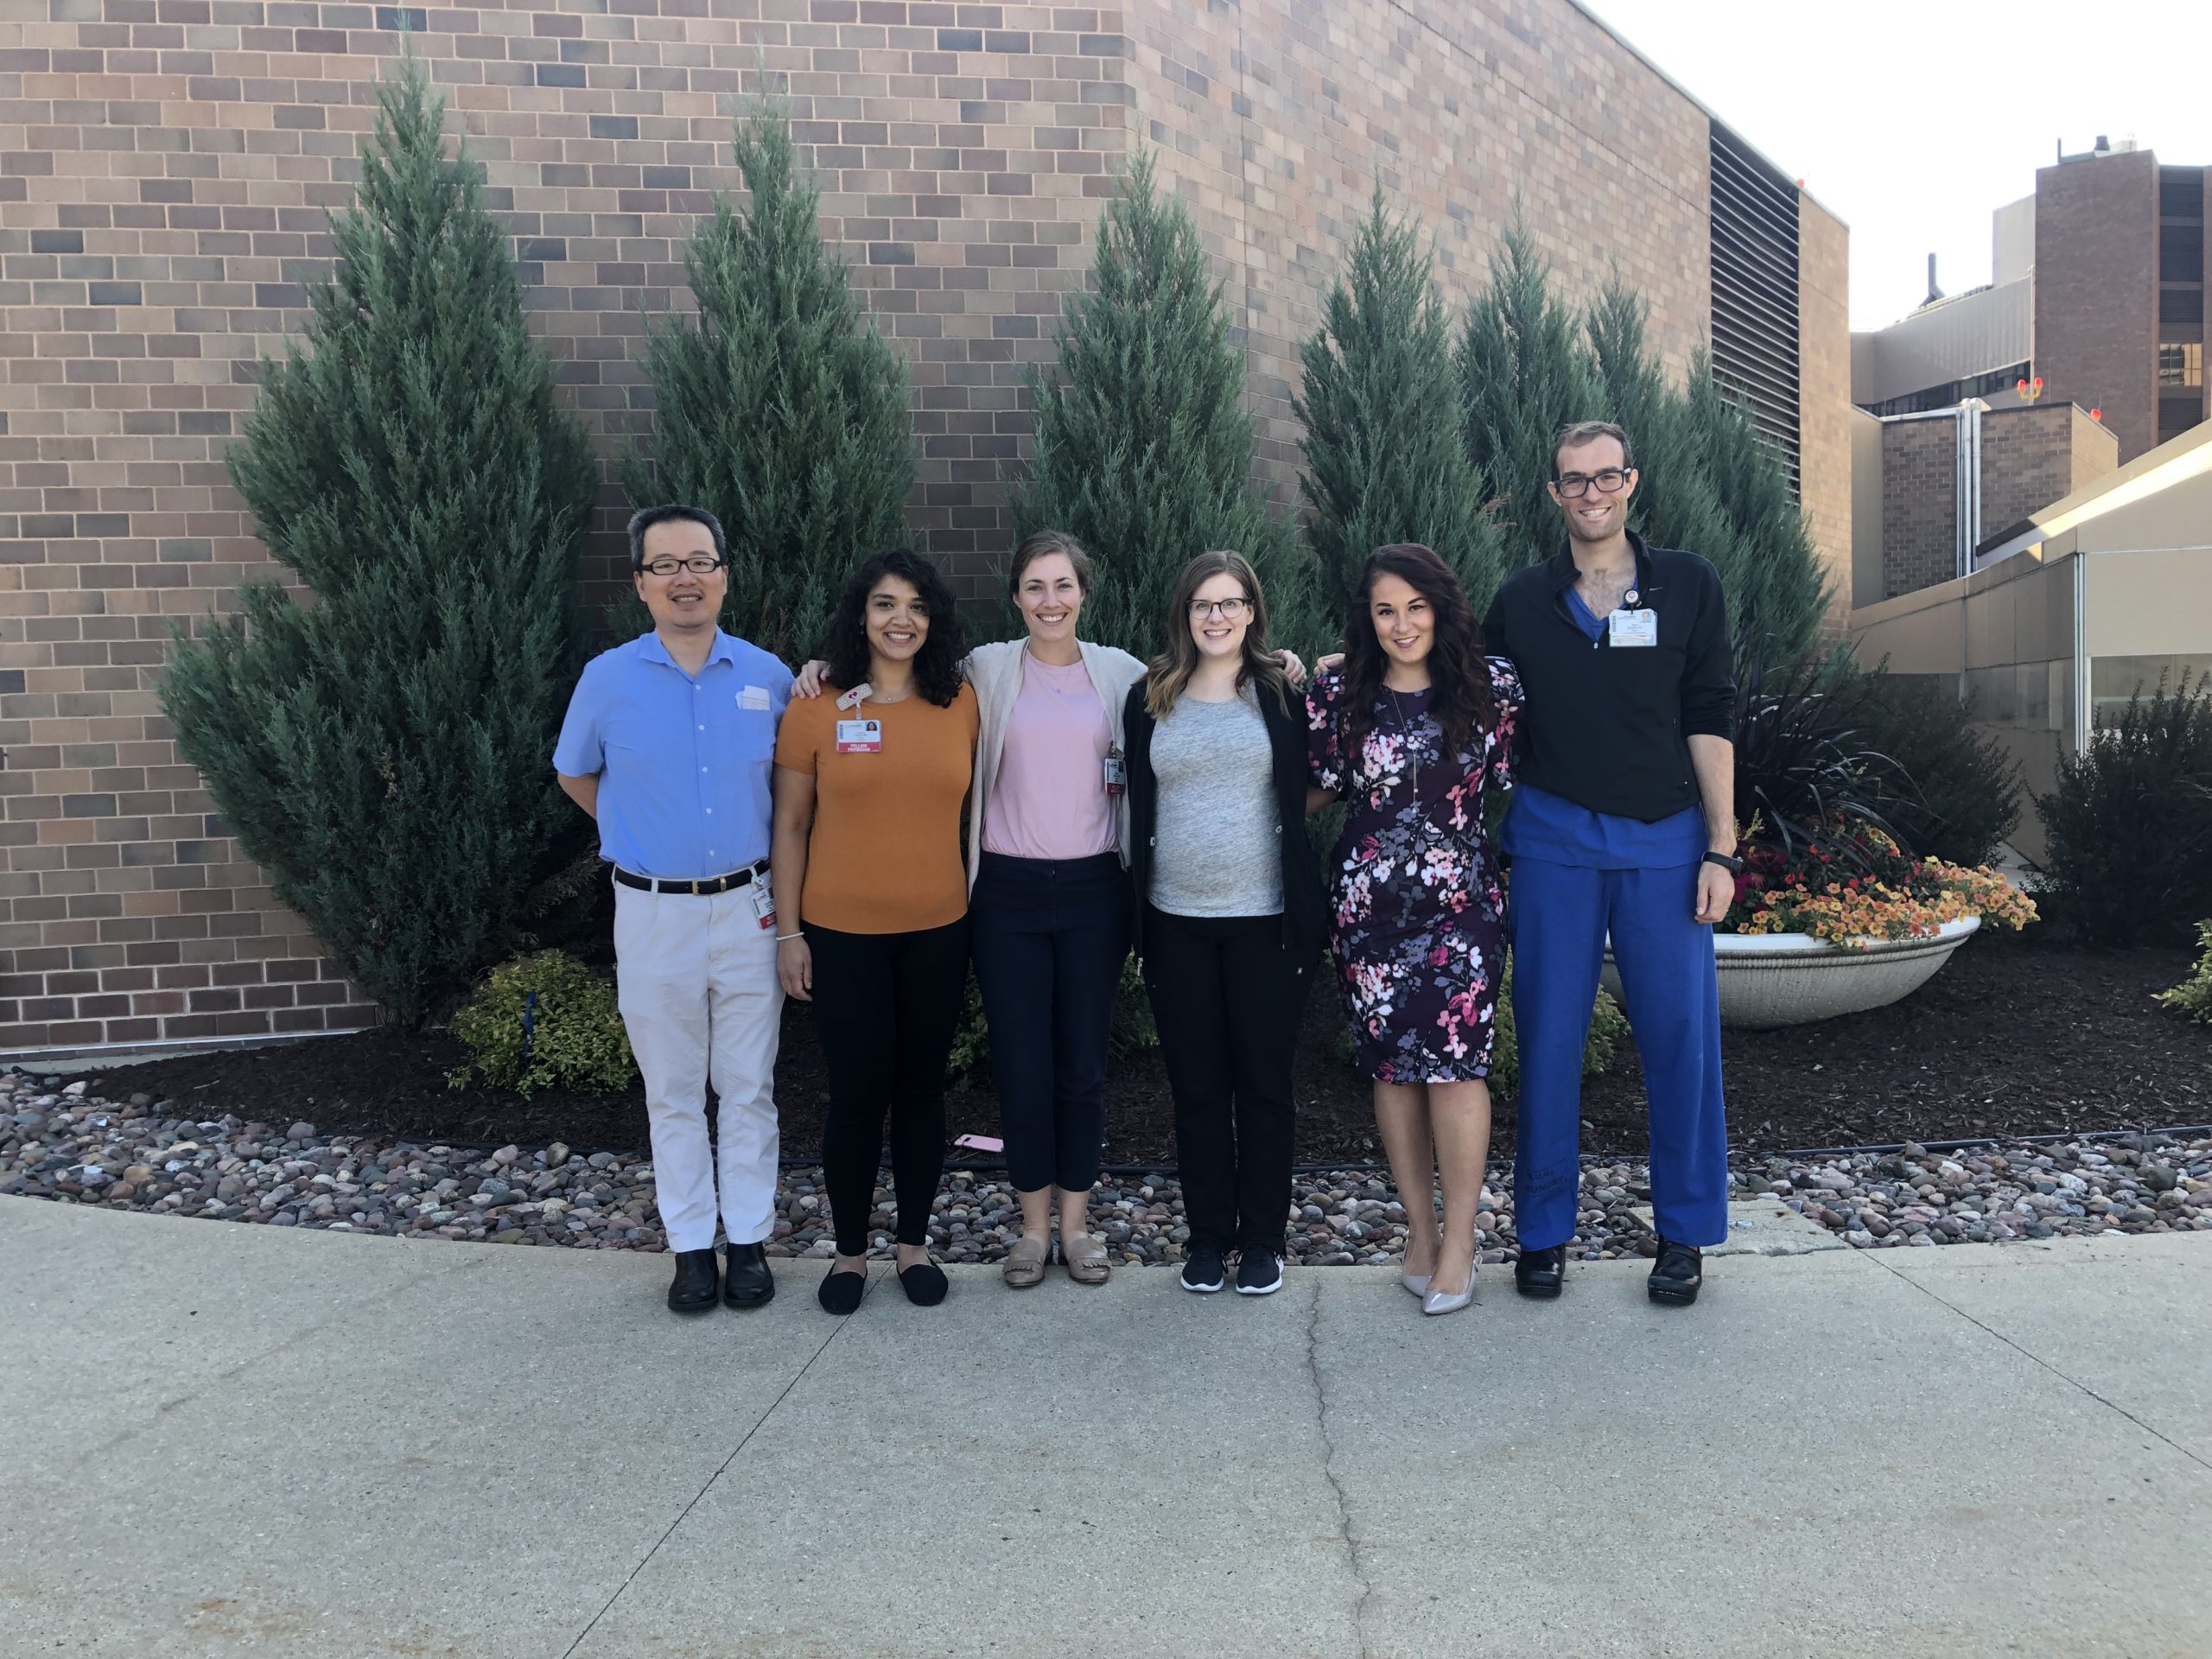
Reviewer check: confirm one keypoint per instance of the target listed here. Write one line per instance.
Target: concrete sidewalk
(222, 1439)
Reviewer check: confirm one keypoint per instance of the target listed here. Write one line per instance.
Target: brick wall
(165, 170)
(2097, 291)
(2033, 456)
(1824, 411)
(1919, 504)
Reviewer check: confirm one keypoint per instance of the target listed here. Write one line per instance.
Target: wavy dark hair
(936, 665)
(1459, 673)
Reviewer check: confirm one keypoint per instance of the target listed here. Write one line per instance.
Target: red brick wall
(166, 167)
(2031, 457)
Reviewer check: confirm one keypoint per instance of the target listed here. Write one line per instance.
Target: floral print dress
(1417, 922)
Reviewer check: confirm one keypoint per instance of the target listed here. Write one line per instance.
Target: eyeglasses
(1229, 610)
(699, 564)
(1573, 486)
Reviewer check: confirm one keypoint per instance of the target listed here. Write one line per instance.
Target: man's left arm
(1709, 724)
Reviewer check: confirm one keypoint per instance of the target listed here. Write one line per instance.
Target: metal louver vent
(1755, 290)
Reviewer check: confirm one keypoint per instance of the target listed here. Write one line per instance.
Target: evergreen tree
(1384, 452)
(1523, 374)
(1143, 449)
(383, 751)
(1779, 593)
(781, 410)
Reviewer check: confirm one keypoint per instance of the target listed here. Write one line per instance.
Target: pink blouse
(1050, 798)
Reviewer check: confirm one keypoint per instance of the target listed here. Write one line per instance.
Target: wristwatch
(1728, 861)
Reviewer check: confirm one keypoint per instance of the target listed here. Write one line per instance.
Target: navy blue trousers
(1049, 937)
(1559, 917)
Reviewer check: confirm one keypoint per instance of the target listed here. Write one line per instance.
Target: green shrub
(381, 751)
(2193, 996)
(572, 1038)
(1968, 788)
(2129, 822)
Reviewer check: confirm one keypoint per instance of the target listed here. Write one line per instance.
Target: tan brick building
(166, 167)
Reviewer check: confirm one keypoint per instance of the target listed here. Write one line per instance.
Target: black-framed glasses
(1608, 479)
(699, 564)
(1229, 610)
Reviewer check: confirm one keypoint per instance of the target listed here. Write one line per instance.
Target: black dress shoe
(1677, 1273)
(840, 1292)
(925, 1283)
(696, 1282)
(1542, 1273)
(746, 1282)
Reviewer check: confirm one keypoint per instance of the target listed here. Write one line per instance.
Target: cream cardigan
(996, 672)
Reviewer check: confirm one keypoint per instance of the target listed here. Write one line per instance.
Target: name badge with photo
(860, 736)
(1633, 628)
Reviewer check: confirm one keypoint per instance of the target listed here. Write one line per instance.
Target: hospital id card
(860, 737)
(1633, 628)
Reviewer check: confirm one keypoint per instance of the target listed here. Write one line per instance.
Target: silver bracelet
(786, 938)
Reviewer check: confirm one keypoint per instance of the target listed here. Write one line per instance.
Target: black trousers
(1227, 996)
(1049, 937)
(887, 1004)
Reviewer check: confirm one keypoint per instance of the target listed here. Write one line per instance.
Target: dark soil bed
(2013, 1037)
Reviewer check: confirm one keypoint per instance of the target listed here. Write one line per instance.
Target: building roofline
(1710, 113)
(2177, 459)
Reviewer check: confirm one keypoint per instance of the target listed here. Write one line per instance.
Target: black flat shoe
(746, 1282)
(1677, 1273)
(841, 1292)
(696, 1283)
(1542, 1273)
(925, 1283)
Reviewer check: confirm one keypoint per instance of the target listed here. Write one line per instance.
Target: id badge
(1633, 628)
(1117, 772)
(764, 903)
(860, 736)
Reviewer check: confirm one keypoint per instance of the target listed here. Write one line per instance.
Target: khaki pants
(696, 977)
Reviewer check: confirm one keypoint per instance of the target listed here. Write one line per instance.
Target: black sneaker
(1259, 1272)
(1203, 1272)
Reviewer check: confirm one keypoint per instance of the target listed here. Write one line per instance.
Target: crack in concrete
(1329, 1470)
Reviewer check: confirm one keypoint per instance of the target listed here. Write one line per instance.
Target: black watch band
(1728, 861)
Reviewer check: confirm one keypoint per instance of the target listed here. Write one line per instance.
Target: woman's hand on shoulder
(1294, 667)
(1332, 665)
(807, 683)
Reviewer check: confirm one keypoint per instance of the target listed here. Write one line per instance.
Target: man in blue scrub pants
(668, 743)
(1622, 824)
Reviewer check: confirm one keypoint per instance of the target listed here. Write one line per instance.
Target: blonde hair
(1172, 670)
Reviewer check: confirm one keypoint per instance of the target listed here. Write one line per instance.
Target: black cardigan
(1608, 729)
(1304, 910)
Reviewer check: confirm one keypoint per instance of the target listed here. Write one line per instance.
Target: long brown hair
(1459, 673)
(1042, 543)
(1172, 670)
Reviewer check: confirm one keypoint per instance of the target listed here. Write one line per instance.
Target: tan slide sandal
(1025, 1263)
(1086, 1259)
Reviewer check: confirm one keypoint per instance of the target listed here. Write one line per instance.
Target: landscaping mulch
(2016, 1036)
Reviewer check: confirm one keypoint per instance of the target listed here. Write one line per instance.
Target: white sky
(1912, 119)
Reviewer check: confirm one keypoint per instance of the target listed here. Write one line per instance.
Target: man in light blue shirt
(668, 743)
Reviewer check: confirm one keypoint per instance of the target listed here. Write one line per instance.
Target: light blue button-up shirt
(683, 764)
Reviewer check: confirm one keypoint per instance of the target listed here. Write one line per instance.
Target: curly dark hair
(936, 665)
(1459, 673)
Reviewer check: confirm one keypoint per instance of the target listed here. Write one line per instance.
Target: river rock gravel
(59, 1142)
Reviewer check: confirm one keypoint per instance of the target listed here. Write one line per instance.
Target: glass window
(2181, 305)
(2180, 364)
(2113, 680)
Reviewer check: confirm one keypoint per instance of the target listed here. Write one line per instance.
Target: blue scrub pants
(1560, 915)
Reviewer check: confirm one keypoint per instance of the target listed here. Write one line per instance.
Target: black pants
(1227, 996)
(1050, 937)
(887, 1004)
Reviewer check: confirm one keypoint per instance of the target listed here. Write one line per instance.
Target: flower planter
(1792, 979)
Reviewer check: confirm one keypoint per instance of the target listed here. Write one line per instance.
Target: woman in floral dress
(1408, 729)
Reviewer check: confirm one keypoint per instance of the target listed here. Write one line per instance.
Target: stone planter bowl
(1792, 979)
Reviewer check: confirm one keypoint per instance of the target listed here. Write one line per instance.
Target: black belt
(705, 887)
